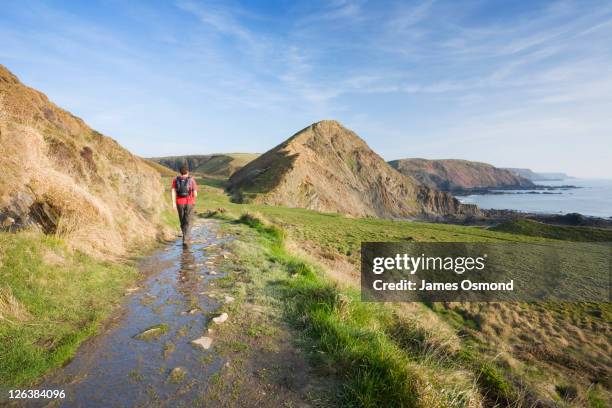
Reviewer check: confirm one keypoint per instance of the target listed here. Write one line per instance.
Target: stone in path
(152, 332)
(204, 342)
(177, 375)
(221, 318)
(228, 299)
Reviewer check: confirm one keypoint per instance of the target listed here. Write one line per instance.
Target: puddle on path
(115, 369)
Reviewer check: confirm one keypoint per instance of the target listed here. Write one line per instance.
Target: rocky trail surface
(158, 351)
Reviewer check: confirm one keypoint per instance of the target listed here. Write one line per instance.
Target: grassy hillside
(222, 164)
(161, 169)
(509, 353)
(538, 229)
(356, 347)
(74, 205)
(225, 164)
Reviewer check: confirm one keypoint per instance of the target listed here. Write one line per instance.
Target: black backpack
(183, 186)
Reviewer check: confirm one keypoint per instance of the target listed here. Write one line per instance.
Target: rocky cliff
(328, 168)
(61, 177)
(459, 175)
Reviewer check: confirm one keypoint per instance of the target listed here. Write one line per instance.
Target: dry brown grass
(563, 341)
(103, 199)
(11, 310)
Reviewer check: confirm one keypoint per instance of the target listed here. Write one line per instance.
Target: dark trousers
(185, 213)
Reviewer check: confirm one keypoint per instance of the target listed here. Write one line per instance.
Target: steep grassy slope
(223, 164)
(65, 178)
(327, 167)
(453, 175)
(160, 168)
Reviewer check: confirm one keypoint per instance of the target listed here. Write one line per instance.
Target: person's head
(184, 169)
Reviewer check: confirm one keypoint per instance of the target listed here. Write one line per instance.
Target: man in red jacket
(184, 193)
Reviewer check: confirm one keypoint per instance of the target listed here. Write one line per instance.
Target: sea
(591, 197)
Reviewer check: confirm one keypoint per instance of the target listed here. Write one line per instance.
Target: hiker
(184, 193)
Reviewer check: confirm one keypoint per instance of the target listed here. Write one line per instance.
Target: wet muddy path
(146, 358)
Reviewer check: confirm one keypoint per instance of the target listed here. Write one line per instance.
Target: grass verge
(354, 342)
(57, 298)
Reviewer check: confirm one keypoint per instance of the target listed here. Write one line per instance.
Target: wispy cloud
(398, 72)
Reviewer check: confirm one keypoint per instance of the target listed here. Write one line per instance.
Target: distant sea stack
(328, 168)
(533, 176)
(222, 164)
(459, 175)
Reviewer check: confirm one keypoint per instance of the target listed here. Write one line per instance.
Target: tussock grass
(352, 340)
(11, 310)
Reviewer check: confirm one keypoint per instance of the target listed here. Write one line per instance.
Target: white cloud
(398, 72)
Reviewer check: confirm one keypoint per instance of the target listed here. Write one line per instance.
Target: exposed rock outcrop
(328, 168)
(459, 175)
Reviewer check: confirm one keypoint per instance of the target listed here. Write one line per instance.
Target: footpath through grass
(505, 353)
(378, 357)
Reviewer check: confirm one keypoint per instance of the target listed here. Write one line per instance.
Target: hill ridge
(327, 167)
(215, 164)
(459, 175)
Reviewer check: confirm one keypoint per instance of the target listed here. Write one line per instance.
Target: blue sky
(512, 83)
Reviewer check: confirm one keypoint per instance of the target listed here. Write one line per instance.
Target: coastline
(591, 198)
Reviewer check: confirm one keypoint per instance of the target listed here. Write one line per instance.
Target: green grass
(538, 229)
(337, 234)
(349, 339)
(339, 338)
(63, 296)
(379, 358)
(223, 164)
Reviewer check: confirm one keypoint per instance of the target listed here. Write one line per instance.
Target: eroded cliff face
(328, 168)
(61, 177)
(459, 175)
(444, 205)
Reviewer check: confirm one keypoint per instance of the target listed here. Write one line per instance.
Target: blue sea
(593, 197)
